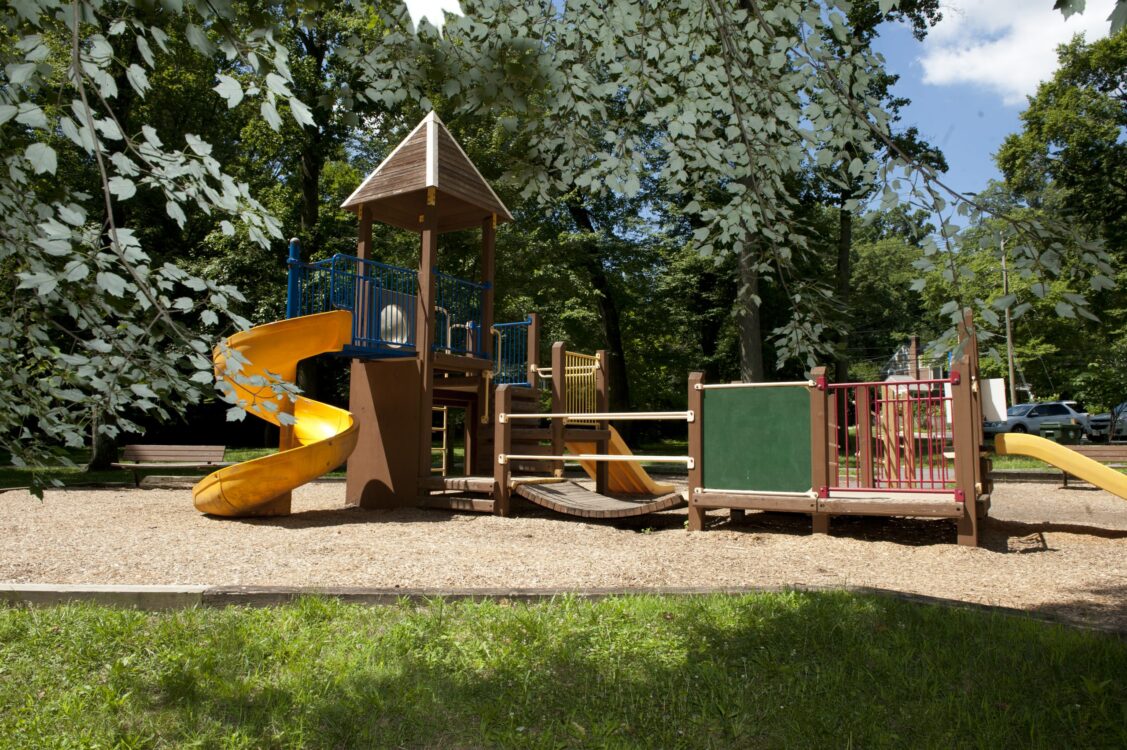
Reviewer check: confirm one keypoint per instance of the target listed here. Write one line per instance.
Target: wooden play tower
(443, 330)
(424, 343)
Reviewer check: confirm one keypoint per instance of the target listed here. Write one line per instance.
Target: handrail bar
(719, 386)
(503, 458)
(687, 416)
(527, 321)
(953, 380)
(476, 284)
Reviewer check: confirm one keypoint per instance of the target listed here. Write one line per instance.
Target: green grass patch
(771, 670)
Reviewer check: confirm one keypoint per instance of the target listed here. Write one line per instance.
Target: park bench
(1115, 456)
(137, 457)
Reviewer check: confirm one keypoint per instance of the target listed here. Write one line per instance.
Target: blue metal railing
(457, 313)
(380, 297)
(383, 302)
(510, 355)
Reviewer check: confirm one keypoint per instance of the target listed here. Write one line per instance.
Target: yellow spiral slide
(320, 439)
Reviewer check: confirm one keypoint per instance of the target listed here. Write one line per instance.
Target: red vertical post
(559, 401)
(502, 446)
(819, 446)
(696, 450)
(864, 418)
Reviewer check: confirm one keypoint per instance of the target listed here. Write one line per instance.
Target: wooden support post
(424, 330)
(533, 353)
(819, 445)
(559, 401)
(364, 239)
(696, 450)
(502, 444)
(602, 404)
(965, 432)
(488, 245)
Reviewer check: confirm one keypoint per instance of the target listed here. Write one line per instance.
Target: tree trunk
(748, 318)
(608, 309)
(103, 450)
(312, 160)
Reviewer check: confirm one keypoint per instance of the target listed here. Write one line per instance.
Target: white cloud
(1007, 46)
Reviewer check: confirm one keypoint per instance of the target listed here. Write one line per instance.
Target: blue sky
(968, 81)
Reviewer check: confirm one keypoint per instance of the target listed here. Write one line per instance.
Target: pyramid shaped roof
(429, 157)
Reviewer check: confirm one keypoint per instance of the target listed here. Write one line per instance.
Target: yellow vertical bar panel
(580, 385)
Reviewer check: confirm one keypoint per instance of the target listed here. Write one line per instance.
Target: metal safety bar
(510, 352)
(504, 458)
(891, 435)
(687, 416)
(770, 493)
(459, 304)
(719, 386)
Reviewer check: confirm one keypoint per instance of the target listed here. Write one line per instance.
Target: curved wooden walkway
(575, 500)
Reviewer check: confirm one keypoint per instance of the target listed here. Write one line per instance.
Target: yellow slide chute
(320, 439)
(625, 477)
(1082, 467)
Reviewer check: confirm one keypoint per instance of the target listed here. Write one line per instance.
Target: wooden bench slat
(136, 457)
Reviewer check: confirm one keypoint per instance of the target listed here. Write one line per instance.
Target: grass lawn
(770, 670)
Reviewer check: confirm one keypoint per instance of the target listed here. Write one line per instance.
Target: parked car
(1030, 417)
(1100, 424)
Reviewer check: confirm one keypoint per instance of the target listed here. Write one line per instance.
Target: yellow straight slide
(623, 476)
(323, 435)
(1015, 444)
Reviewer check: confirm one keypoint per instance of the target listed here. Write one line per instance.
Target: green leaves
(42, 158)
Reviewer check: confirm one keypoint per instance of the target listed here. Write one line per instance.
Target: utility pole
(1009, 327)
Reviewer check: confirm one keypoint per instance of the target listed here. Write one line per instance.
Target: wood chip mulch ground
(1050, 551)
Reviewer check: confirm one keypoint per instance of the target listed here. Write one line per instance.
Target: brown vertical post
(819, 446)
(364, 240)
(365, 319)
(424, 329)
(984, 477)
(864, 409)
(533, 353)
(696, 449)
(965, 435)
(602, 403)
(488, 245)
(559, 401)
(914, 357)
(502, 445)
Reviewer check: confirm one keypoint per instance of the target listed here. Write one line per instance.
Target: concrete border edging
(112, 595)
(164, 597)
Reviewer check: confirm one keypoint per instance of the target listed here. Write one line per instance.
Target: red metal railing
(890, 436)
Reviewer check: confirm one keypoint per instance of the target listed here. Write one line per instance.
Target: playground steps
(461, 484)
(460, 363)
(457, 501)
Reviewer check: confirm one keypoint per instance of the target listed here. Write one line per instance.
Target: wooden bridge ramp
(575, 500)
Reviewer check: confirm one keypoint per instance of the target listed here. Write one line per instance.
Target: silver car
(1030, 417)
(1101, 423)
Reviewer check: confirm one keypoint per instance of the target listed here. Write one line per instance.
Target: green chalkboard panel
(757, 439)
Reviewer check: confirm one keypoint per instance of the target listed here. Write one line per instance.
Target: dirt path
(1055, 551)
